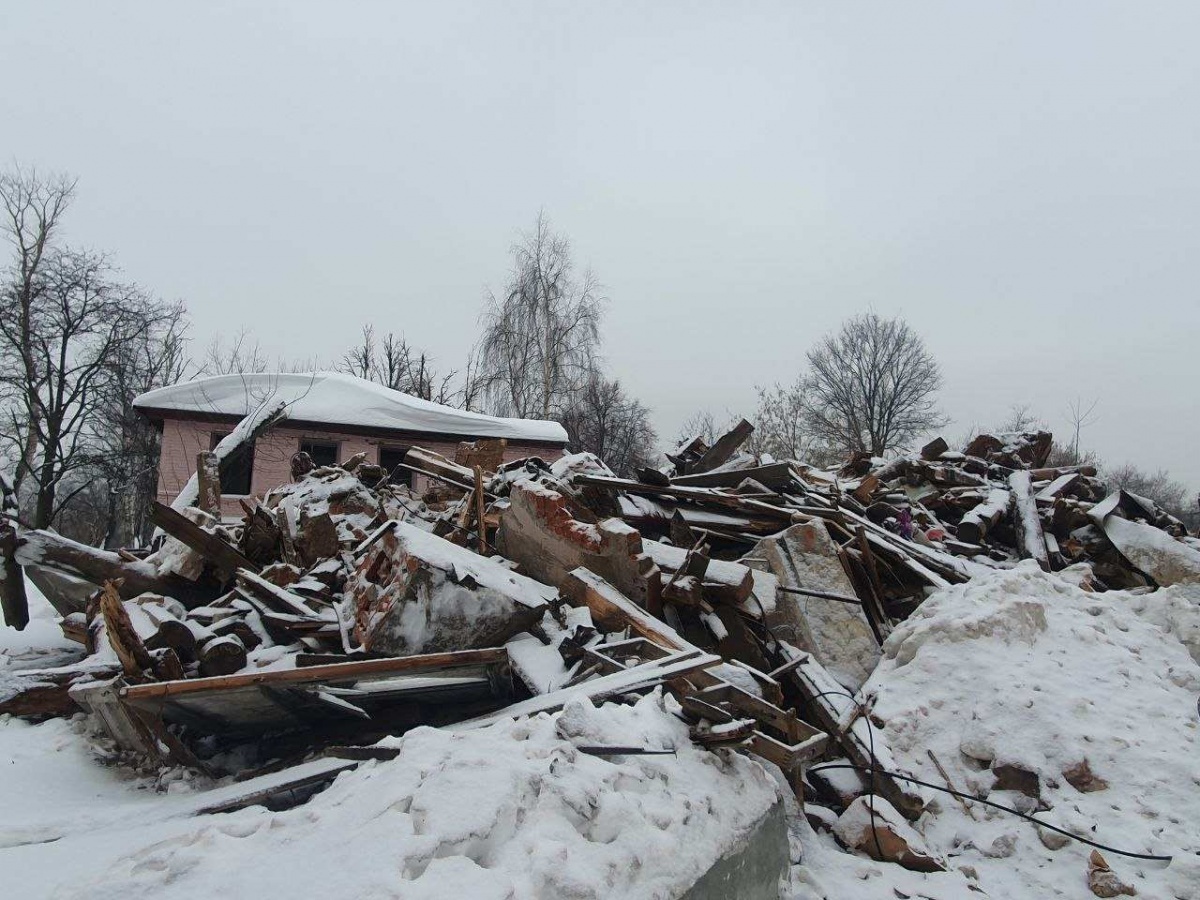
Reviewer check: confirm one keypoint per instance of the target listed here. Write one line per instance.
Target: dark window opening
(238, 468)
(390, 459)
(322, 453)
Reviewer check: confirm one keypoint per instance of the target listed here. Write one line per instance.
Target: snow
(509, 811)
(1028, 669)
(334, 398)
(1016, 667)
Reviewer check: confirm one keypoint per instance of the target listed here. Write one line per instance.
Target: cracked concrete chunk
(837, 634)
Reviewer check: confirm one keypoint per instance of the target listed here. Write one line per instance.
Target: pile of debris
(343, 608)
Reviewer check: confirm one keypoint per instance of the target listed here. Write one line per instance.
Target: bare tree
(781, 424)
(396, 364)
(602, 419)
(872, 386)
(66, 323)
(541, 337)
(127, 443)
(241, 356)
(33, 207)
(1020, 420)
(700, 424)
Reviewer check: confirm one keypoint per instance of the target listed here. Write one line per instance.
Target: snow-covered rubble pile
(1026, 670)
(512, 810)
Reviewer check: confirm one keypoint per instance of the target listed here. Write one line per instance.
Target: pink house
(331, 417)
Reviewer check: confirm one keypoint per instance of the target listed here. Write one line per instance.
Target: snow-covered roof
(332, 398)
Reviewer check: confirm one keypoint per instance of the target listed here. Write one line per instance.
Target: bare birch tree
(872, 386)
(540, 338)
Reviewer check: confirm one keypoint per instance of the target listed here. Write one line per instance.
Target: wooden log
(122, 636)
(208, 483)
(725, 446)
(976, 523)
(13, 599)
(355, 461)
(226, 558)
(53, 551)
(222, 656)
(1030, 541)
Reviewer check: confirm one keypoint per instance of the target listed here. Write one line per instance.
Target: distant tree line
(79, 341)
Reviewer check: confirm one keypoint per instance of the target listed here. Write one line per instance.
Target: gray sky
(1020, 180)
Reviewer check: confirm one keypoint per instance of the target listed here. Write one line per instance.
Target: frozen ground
(1028, 670)
(1015, 668)
(511, 810)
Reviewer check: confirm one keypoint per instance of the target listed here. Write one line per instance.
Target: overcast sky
(1020, 181)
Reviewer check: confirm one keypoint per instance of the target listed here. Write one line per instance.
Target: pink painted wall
(182, 439)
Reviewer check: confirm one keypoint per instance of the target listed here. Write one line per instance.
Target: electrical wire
(1151, 857)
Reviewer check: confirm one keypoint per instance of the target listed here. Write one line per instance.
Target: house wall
(182, 439)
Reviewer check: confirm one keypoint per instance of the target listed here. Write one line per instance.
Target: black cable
(874, 770)
(937, 787)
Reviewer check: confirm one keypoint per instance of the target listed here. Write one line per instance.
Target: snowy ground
(1014, 667)
(511, 810)
(1029, 670)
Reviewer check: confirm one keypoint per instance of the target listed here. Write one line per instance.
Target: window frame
(402, 476)
(246, 450)
(311, 442)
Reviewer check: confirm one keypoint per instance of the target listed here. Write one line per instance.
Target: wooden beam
(227, 558)
(349, 671)
(725, 446)
(1030, 541)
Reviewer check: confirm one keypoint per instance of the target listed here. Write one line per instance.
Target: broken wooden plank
(122, 636)
(726, 445)
(1059, 486)
(224, 556)
(772, 475)
(838, 712)
(634, 678)
(1031, 544)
